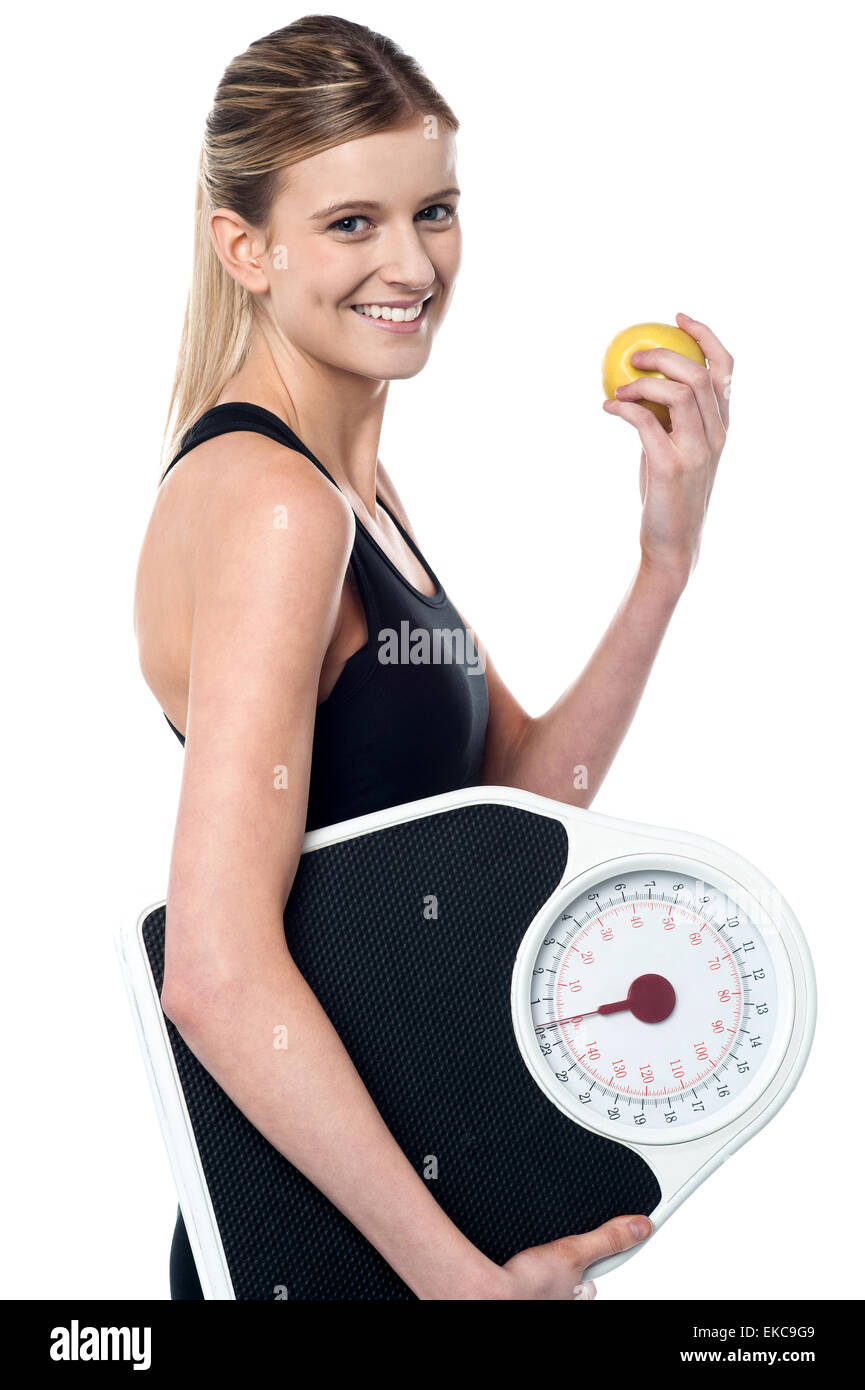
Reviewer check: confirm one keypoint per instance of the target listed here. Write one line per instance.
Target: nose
(406, 262)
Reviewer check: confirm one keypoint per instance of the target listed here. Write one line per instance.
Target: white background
(618, 163)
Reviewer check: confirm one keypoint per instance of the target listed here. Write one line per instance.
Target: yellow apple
(616, 368)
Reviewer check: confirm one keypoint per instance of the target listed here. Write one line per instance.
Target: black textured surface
(423, 1007)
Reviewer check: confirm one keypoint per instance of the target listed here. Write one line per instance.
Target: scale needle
(651, 999)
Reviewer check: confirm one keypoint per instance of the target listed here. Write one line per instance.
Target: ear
(237, 245)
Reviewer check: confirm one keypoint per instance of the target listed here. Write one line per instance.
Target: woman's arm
(567, 752)
(266, 603)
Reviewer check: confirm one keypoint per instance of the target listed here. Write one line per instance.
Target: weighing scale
(561, 1016)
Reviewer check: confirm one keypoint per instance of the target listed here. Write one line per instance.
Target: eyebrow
(374, 207)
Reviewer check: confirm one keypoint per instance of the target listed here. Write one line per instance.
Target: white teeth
(376, 311)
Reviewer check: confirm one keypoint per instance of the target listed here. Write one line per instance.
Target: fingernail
(641, 1229)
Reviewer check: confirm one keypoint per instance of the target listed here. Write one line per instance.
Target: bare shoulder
(247, 468)
(244, 528)
(235, 491)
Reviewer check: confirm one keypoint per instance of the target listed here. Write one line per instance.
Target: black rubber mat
(408, 936)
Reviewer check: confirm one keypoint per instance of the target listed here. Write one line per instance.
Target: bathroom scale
(561, 1016)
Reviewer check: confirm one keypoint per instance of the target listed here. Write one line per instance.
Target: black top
(407, 716)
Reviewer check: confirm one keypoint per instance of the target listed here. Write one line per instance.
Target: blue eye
(445, 207)
(340, 225)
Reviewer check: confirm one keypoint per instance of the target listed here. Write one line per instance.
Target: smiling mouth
(408, 313)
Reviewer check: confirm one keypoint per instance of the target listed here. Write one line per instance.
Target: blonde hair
(301, 90)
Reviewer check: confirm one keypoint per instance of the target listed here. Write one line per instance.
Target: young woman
(326, 253)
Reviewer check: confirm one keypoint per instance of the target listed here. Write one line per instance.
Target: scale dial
(653, 1000)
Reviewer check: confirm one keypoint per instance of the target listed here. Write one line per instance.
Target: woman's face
(368, 222)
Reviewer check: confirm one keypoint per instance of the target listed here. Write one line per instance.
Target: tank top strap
(243, 415)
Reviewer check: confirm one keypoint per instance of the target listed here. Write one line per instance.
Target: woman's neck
(337, 414)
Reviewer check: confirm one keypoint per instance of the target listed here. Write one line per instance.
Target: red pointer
(651, 999)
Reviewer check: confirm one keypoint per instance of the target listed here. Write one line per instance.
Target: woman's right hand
(556, 1270)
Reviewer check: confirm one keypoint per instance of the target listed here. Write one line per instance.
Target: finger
(609, 1239)
(648, 426)
(687, 413)
(690, 374)
(719, 359)
(674, 365)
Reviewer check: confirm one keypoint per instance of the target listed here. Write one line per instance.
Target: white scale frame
(598, 846)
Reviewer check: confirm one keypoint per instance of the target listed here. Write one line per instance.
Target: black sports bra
(407, 716)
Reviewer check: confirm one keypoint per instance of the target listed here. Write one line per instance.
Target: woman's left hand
(677, 469)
